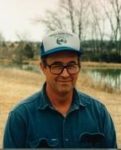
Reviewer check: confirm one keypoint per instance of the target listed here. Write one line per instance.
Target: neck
(60, 101)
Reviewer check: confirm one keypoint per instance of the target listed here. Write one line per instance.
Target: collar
(76, 103)
(45, 102)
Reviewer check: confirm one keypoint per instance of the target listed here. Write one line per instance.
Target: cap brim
(61, 49)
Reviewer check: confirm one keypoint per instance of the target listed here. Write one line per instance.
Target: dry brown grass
(16, 85)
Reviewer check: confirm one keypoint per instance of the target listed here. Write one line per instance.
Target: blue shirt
(34, 123)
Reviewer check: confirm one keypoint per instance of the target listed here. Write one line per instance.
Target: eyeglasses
(57, 68)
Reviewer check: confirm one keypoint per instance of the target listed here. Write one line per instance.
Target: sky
(17, 18)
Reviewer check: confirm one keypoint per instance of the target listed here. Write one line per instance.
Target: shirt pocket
(92, 140)
(44, 143)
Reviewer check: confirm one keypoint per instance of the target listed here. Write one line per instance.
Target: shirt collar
(45, 102)
(77, 101)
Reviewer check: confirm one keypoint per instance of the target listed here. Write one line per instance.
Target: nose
(65, 73)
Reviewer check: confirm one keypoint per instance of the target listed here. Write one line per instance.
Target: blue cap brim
(61, 49)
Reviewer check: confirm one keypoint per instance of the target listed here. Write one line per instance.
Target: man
(59, 116)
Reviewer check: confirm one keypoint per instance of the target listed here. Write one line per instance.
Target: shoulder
(87, 99)
(91, 103)
(29, 103)
(94, 106)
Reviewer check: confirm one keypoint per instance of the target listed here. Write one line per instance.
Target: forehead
(63, 56)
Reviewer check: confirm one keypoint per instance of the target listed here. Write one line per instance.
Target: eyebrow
(59, 62)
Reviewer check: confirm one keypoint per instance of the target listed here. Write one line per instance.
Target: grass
(17, 84)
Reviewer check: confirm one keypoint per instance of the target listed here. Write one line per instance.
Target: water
(111, 77)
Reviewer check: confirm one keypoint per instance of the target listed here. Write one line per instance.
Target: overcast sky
(16, 17)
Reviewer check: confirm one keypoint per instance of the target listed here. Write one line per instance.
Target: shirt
(34, 123)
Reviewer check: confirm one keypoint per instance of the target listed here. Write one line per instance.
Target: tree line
(97, 23)
(23, 51)
(19, 53)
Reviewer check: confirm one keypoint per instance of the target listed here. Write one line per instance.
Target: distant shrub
(105, 56)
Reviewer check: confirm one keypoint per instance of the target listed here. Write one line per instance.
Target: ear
(42, 67)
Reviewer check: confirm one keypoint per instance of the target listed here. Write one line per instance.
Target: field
(17, 84)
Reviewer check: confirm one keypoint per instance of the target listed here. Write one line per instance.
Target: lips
(64, 81)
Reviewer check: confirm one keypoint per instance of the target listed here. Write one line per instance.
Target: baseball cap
(60, 41)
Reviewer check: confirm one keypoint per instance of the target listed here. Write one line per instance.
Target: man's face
(65, 81)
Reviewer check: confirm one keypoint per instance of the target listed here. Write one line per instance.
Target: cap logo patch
(61, 40)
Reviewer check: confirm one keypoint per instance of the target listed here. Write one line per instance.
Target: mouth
(64, 81)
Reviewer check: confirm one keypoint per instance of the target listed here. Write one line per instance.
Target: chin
(65, 90)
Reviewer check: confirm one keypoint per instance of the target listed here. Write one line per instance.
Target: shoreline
(89, 64)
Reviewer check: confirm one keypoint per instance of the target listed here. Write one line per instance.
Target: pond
(111, 77)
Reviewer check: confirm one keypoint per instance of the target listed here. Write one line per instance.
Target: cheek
(75, 77)
(49, 76)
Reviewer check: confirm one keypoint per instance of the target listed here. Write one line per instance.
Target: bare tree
(67, 8)
(70, 16)
(82, 10)
(61, 19)
(3, 49)
(98, 27)
(52, 21)
(113, 13)
(1, 39)
(21, 51)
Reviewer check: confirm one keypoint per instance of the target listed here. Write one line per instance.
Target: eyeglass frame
(63, 67)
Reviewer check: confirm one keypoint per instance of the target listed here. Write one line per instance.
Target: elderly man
(59, 116)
